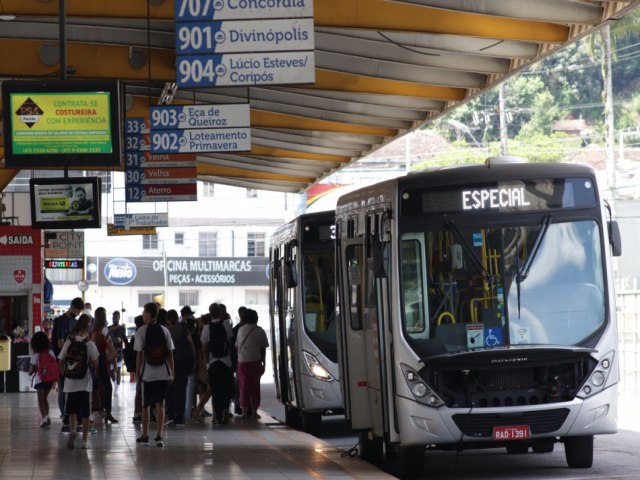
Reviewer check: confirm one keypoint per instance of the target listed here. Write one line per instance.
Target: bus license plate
(511, 432)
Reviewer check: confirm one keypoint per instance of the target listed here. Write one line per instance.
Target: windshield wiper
(523, 272)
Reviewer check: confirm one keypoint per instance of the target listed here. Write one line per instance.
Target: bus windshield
(468, 287)
(319, 302)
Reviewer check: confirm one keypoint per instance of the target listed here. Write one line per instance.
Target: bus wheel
(292, 417)
(312, 423)
(579, 451)
(369, 449)
(410, 461)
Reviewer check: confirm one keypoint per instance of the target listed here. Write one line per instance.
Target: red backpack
(48, 369)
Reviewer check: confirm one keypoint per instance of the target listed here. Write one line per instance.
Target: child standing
(78, 354)
(45, 368)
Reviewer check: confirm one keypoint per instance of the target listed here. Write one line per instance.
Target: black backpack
(76, 361)
(183, 353)
(218, 342)
(155, 348)
(130, 355)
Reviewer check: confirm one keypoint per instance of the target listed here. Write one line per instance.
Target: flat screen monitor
(64, 203)
(61, 124)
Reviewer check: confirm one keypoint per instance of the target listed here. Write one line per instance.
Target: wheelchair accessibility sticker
(479, 336)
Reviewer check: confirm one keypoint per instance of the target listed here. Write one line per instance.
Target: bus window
(318, 290)
(412, 268)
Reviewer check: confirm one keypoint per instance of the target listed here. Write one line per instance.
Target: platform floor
(244, 449)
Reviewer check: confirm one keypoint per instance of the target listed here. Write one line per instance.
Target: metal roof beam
(385, 15)
(207, 169)
(385, 49)
(560, 11)
(346, 82)
(445, 43)
(288, 187)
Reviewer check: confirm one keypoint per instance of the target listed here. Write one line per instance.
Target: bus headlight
(598, 378)
(315, 368)
(420, 390)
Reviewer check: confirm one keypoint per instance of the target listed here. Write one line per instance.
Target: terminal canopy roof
(383, 68)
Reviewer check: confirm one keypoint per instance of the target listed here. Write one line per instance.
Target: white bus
(303, 327)
(477, 310)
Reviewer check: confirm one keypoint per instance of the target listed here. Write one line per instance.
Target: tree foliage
(566, 84)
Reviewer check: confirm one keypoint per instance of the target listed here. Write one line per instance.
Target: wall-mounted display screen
(64, 203)
(55, 124)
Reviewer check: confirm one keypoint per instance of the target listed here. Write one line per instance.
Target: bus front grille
(481, 424)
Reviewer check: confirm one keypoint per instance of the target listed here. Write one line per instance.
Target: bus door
(291, 308)
(351, 335)
(278, 331)
(377, 325)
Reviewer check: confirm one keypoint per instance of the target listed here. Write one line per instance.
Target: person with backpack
(79, 353)
(44, 367)
(215, 340)
(62, 325)
(154, 368)
(102, 387)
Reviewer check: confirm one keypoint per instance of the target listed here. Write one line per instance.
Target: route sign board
(129, 220)
(226, 70)
(160, 160)
(203, 10)
(200, 116)
(201, 140)
(245, 36)
(161, 175)
(113, 230)
(162, 193)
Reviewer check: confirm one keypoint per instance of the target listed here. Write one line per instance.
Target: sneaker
(71, 443)
(169, 422)
(93, 430)
(65, 429)
(45, 421)
(142, 439)
(206, 414)
(159, 441)
(225, 417)
(85, 446)
(179, 424)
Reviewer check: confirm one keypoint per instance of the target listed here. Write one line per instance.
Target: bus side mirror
(614, 238)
